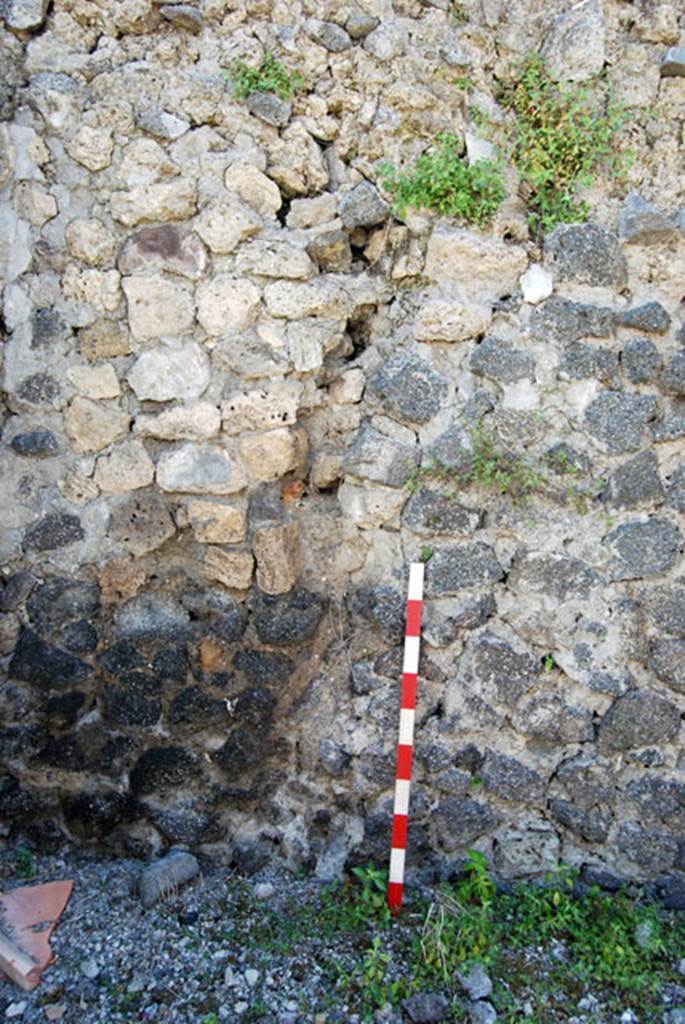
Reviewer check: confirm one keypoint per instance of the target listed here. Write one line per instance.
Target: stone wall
(223, 357)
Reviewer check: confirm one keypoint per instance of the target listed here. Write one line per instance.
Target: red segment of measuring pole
(405, 745)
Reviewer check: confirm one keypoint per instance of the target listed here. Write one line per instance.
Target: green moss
(269, 76)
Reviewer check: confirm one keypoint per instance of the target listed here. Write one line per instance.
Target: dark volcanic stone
(79, 637)
(461, 821)
(241, 752)
(547, 717)
(652, 851)
(640, 223)
(269, 108)
(408, 388)
(496, 358)
(644, 548)
(91, 815)
(671, 423)
(586, 362)
(263, 667)
(64, 707)
(171, 663)
(586, 253)
(671, 889)
(135, 701)
(40, 389)
(230, 625)
(374, 456)
(61, 599)
(556, 575)
(363, 678)
(665, 608)
(619, 420)
(16, 590)
(291, 619)
(161, 768)
(362, 207)
(457, 566)
(508, 779)
(659, 799)
(427, 1008)
(384, 606)
(638, 718)
(254, 706)
(641, 360)
(494, 662)
(63, 752)
(55, 530)
(452, 449)
(49, 329)
(650, 317)
(334, 759)
(193, 707)
(121, 657)
(187, 826)
(36, 661)
(36, 444)
(675, 494)
(466, 612)
(590, 825)
(667, 662)
(152, 615)
(559, 319)
(635, 483)
(673, 376)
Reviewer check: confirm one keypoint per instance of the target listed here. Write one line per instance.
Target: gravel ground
(223, 948)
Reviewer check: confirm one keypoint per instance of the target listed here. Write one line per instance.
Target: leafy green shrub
(562, 136)
(443, 182)
(269, 76)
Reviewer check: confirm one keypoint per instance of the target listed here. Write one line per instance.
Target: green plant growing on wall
(562, 136)
(442, 181)
(269, 76)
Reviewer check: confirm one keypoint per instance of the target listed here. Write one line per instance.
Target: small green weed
(269, 76)
(426, 553)
(372, 900)
(25, 864)
(562, 137)
(548, 663)
(442, 181)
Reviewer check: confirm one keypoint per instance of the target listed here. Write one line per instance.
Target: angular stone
(296, 162)
(455, 567)
(127, 468)
(322, 297)
(641, 360)
(586, 254)
(92, 147)
(652, 851)
(163, 769)
(162, 125)
(90, 241)
(56, 530)
(673, 63)
(559, 319)
(461, 821)
(675, 495)
(170, 372)
(332, 251)
(233, 569)
(590, 825)
(508, 779)
(644, 548)
(270, 455)
(34, 204)
(158, 307)
(23, 15)
(183, 16)
(241, 752)
(619, 420)
(227, 304)
(278, 555)
(198, 421)
(362, 207)
(103, 340)
(274, 405)
(477, 265)
(269, 108)
(369, 507)
(151, 615)
(375, 456)
(164, 248)
(427, 1007)
(142, 523)
(263, 668)
(290, 619)
(650, 317)
(200, 469)
(574, 47)
(328, 34)
(16, 590)
(586, 362)
(155, 203)
(223, 225)
(36, 661)
(120, 579)
(95, 382)
(311, 340)
(359, 23)
(536, 284)
(387, 42)
(449, 320)
(35, 444)
(254, 188)
(431, 513)
(97, 288)
(476, 982)
(640, 223)
(215, 523)
(192, 706)
(408, 388)
(671, 423)
(307, 213)
(136, 701)
(496, 358)
(274, 257)
(673, 375)
(635, 483)
(496, 664)
(636, 719)
(665, 608)
(546, 717)
(667, 662)
(482, 1012)
(62, 599)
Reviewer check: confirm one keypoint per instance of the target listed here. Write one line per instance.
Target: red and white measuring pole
(405, 747)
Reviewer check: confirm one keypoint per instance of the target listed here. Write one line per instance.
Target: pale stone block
(296, 300)
(195, 422)
(275, 257)
(326, 471)
(348, 388)
(215, 523)
(279, 561)
(91, 147)
(536, 284)
(224, 226)
(35, 204)
(368, 507)
(227, 304)
(95, 381)
(308, 213)
(270, 455)
(158, 307)
(169, 372)
(92, 426)
(200, 469)
(274, 405)
(127, 468)
(89, 241)
(155, 203)
(99, 288)
(254, 188)
(233, 569)
(482, 267)
(449, 320)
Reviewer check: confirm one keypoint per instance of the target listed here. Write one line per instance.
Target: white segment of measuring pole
(396, 873)
(401, 805)
(411, 654)
(415, 590)
(407, 716)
